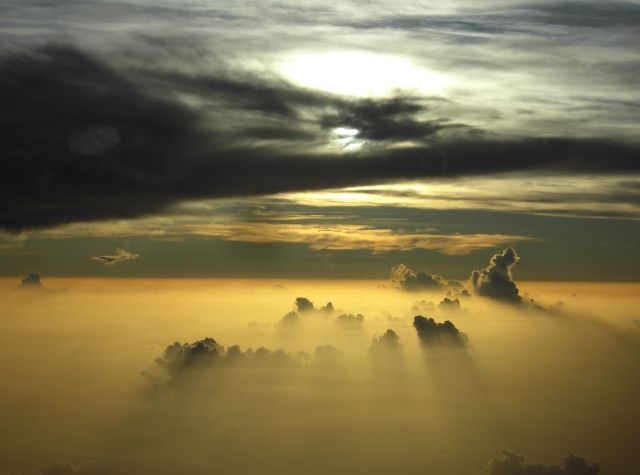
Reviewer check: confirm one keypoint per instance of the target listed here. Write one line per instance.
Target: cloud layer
(121, 255)
(89, 140)
(514, 464)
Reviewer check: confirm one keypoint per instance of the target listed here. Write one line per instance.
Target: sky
(306, 139)
(359, 238)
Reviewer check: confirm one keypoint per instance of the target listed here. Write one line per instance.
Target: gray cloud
(521, 18)
(328, 308)
(180, 357)
(386, 353)
(182, 361)
(88, 140)
(586, 14)
(349, 321)
(121, 255)
(450, 305)
(31, 280)
(412, 281)
(289, 321)
(432, 333)
(392, 119)
(514, 464)
(327, 357)
(304, 304)
(422, 306)
(496, 281)
(65, 468)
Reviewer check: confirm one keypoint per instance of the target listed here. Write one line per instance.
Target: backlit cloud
(354, 237)
(31, 280)
(549, 194)
(514, 464)
(121, 255)
(496, 281)
(187, 134)
(431, 332)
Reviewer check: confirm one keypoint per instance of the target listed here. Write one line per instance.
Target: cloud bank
(431, 332)
(514, 464)
(92, 140)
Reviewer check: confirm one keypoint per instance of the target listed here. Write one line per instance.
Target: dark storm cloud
(57, 102)
(514, 464)
(495, 281)
(84, 140)
(386, 119)
(432, 333)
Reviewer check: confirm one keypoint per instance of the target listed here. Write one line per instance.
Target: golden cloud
(333, 237)
(354, 237)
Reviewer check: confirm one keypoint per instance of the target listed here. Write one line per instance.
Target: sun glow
(347, 139)
(360, 74)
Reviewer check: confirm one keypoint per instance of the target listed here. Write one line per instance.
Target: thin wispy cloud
(588, 196)
(318, 237)
(354, 237)
(120, 256)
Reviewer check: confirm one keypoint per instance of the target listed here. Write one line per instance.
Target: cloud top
(100, 140)
(432, 333)
(496, 280)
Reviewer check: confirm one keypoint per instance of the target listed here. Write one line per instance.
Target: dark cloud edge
(87, 141)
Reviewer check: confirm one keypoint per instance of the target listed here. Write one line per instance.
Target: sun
(360, 74)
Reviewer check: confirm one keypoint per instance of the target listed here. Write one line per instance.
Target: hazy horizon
(95, 343)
